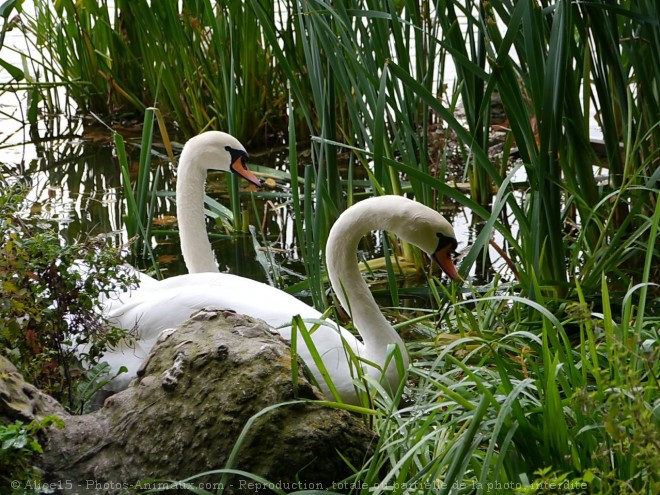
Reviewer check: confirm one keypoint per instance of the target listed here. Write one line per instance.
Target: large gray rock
(185, 411)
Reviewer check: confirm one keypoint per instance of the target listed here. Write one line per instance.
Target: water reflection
(74, 184)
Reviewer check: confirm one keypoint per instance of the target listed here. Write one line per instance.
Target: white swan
(158, 305)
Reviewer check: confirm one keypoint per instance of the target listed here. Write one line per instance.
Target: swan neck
(349, 286)
(195, 246)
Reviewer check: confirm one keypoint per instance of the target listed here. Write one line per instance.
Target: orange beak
(239, 167)
(443, 258)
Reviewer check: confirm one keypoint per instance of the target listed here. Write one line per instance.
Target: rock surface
(184, 413)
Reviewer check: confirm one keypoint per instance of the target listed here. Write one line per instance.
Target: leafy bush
(18, 447)
(51, 299)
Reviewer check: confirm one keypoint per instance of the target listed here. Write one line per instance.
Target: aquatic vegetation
(202, 63)
(381, 85)
(546, 374)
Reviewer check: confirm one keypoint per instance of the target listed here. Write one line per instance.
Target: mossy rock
(184, 413)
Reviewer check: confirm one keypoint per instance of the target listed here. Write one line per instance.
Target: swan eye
(238, 165)
(238, 155)
(444, 241)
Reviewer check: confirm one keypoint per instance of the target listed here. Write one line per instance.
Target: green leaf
(16, 73)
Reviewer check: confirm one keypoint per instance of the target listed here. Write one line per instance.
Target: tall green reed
(512, 404)
(542, 90)
(202, 63)
(348, 97)
(6, 10)
(140, 198)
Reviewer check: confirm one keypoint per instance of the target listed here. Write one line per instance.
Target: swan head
(215, 150)
(432, 233)
(443, 252)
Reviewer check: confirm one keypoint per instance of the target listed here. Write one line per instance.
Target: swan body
(159, 305)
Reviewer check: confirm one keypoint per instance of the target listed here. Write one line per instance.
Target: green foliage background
(549, 378)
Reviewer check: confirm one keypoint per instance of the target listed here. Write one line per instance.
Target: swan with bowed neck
(158, 305)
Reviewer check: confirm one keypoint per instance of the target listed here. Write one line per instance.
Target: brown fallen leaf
(165, 221)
